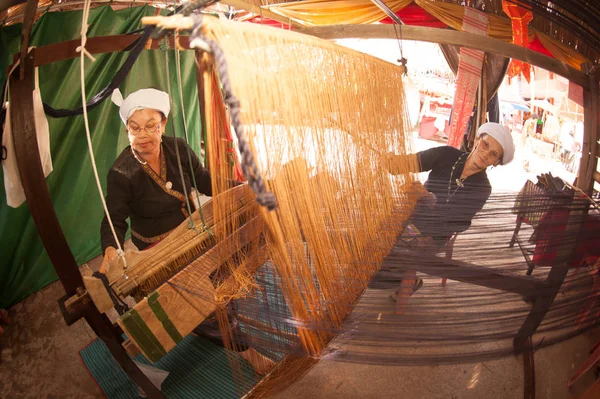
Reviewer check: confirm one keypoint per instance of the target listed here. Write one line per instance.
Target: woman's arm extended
(400, 164)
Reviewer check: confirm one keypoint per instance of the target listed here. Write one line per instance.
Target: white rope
(84, 27)
(81, 49)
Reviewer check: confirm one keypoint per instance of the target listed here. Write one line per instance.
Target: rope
(248, 164)
(84, 27)
(81, 49)
(401, 60)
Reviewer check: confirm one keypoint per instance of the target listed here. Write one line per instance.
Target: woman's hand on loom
(110, 254)
(420, 193)
(400, 164)
(418, 188)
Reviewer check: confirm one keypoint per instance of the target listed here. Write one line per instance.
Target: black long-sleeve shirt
(455, 206)
(154, 203)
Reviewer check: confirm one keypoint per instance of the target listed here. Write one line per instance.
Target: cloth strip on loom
(469, 72)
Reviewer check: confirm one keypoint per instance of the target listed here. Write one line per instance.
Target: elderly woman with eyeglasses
(457, 186)
(145, 186)
(144, 183)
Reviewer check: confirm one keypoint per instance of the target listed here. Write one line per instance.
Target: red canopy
(415, 15)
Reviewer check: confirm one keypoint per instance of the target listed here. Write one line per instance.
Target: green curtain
(24, 265)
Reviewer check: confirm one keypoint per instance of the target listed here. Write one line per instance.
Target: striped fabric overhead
(470, 63)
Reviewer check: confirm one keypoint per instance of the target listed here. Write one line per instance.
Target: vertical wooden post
(476, 118)
(529, 371)
(589, 152)
(558, 272)
(479, 117)
(46, 221)
(206, 70)
(202, 104)
(484, 92)
(28, 16)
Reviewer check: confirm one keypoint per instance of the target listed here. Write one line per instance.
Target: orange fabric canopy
(337, 12)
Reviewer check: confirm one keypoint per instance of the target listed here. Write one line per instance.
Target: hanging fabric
(15, 195)
(520, 17)
(469, 73)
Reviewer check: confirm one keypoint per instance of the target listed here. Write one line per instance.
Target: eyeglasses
(149, 129)
(486, 147)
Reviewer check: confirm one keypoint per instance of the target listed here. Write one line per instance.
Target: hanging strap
(119, 304)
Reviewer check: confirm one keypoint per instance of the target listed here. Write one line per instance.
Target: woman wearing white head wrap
(144, 183)
(145, 186)
(457, 186)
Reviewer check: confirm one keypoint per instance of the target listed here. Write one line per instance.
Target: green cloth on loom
(24, 265)
(198, 369)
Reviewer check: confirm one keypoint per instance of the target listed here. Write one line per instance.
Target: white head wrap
(502, 136)
(144, 98)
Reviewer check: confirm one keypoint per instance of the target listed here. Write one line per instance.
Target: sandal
(418, 284)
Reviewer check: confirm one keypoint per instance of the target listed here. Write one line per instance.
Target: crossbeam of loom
(440, 36)
(466, 272)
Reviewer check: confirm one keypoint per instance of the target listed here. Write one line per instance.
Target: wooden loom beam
(465, 272)
(96, 45)
(590, 147)
(104, 44)
(449, 36)
(46, 221)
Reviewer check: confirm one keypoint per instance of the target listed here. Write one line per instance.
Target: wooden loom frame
(77, 304)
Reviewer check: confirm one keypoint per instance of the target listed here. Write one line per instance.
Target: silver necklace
(137, 158)
(459, 182)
